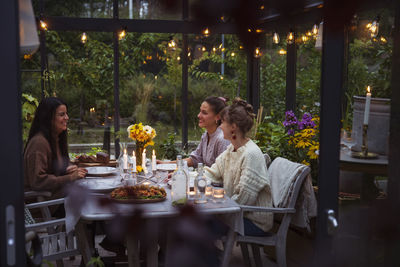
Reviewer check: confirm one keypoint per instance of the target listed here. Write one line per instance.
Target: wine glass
(348, 139)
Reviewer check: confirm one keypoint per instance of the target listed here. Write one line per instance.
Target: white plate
(166, 167)
(100, 171)
(100, 185)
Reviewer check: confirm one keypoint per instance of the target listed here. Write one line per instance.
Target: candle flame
(144, 151)
(124, 150)
(154, 152)
(368, 89)
(133, 153)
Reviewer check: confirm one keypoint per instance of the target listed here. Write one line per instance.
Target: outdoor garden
(79, 69)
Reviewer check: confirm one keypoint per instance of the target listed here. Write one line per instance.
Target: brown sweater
(38, 174)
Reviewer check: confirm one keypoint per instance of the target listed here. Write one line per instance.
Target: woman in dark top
(46, 161)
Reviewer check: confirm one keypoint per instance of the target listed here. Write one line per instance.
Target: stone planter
(378, 126)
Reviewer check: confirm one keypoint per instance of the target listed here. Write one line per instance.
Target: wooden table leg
(230, 240)
(84, 245)
(133, 250)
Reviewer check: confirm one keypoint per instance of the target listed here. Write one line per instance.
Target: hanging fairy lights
(84, 38)
(275, 38)
(257, 52)
(290, 37)
(122, 34)
(374, 28)
(314, 30)
(206, 32)
(282, 52)
(172, 44)
(43, 25)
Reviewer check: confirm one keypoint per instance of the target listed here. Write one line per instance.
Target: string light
(259, 30)
(304, 38)
(172, 44)
(275, 38)
(232, 54)
(189, 54)
(206, 32)
(249, 30)
(203, 49)
(369, 24)
(43, 25)
(374, 29)
(383, 40)
(27, 56)
(214, 49)
(83, 38)
(221, 77)
(262, 7)
(178, 58)
(282, 52)
(315, 30)
(290, 37)
(121, 34)
(309, 33)
(241, 47)
(257, 52)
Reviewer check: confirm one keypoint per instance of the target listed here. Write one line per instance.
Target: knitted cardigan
(38, 174)
(244, 175)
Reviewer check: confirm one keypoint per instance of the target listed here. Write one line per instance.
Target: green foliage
(96, 261)
(169, 149)
(29, 106)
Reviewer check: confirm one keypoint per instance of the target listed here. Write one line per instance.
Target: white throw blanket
(282, 173)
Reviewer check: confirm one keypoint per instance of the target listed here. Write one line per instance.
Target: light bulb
(315, 29)
(232, 54)
(275, 38)
(374, 29)
(290, 37)
(43, 25)
(203, 49)
(257, 52)
(304, 38)
(383, 40)
(83, 38)
(206, 32)
(172, 44)
(121, 34)
(282, 52)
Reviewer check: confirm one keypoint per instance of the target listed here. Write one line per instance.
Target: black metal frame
(11, 193)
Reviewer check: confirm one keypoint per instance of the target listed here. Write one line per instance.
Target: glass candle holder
(218, 195)
(191, 193)
(208, 192)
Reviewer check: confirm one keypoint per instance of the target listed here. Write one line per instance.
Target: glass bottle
(200, 184)
(179, 184)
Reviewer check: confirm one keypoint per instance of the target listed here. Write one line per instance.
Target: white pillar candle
(133, 161)
(144, 160)
(367, 106)
(153, 161)
(125, 160)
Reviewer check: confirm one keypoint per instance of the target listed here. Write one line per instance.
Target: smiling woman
(46, 162)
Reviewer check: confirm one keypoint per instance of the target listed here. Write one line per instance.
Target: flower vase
(139, 151)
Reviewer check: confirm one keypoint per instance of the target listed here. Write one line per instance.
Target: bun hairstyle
(217, 104)
(239, 113)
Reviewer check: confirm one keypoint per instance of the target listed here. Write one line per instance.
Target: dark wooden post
(184, 97)
(253, 80)
(291, 63)
(116, 80)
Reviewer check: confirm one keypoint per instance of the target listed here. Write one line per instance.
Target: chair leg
(281, 254)
(245, 254)
(256, 255)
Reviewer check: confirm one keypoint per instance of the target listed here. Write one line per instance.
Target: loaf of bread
(103, 157)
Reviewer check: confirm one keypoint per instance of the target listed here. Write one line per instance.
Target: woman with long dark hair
(46, 161)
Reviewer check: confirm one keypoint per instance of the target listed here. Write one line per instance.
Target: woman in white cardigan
(241, 167)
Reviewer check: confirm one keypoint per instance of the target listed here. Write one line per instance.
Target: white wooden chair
(56, 243)
(277, 239)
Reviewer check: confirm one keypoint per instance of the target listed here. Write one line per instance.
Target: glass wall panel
(150, 9)
(75, 8)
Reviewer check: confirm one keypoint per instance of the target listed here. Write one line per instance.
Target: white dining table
(91, 210)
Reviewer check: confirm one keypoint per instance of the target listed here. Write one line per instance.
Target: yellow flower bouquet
(143, 135)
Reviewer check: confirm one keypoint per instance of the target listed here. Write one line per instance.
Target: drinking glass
(348, 139)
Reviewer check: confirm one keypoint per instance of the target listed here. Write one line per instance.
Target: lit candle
(144, 160)
(125, 160)
(154, 161)
(133, 161)
(146, 183)
(218, 194)
(367, 106)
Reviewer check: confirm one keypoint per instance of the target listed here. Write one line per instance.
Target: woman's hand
(79, 173)
(71, 168)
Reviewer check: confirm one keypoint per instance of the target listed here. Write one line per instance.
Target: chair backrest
(56, 243)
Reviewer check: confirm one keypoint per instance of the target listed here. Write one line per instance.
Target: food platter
(138, 200)
(100, 171)
(166, 167)
(138, 194)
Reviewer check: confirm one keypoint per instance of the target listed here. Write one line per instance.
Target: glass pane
(82, 9)
(151, 9)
